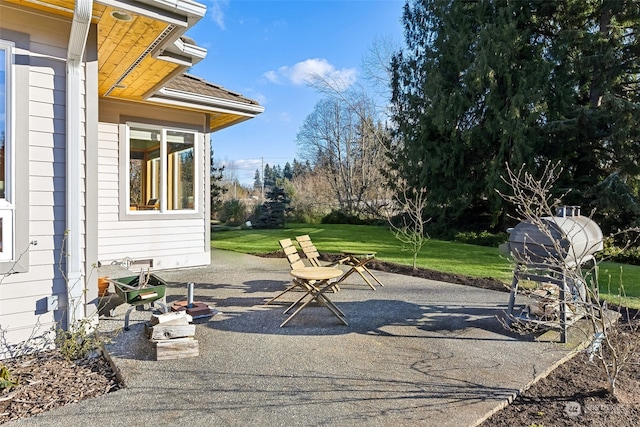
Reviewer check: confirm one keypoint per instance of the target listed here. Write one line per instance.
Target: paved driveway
(415, 352)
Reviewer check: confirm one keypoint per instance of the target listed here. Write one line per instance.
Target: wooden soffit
(137, 56)
(128, 49)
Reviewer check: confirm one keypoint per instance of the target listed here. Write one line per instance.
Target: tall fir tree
(257, 180)
(217, 190)
(482, 85)
(287, 171)
(268, 177)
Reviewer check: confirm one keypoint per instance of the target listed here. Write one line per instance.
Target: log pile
(172, 335)
(546, 303)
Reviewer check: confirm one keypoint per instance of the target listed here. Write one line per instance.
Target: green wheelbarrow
(133, 293)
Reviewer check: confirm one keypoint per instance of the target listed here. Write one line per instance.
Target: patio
(415, 352)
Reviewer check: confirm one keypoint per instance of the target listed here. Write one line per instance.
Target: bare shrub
(311, 198)
(407, 222)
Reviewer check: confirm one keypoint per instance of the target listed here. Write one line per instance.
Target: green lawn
(451, 257)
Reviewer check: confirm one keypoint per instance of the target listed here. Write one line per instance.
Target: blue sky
(265, 50)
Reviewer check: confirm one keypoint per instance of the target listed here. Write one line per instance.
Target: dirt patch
(575, 393)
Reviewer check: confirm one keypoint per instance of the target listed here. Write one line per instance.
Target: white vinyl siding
(175, 239)
(40, 74)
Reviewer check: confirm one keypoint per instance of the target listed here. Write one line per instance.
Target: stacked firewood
(546, 304)
(173, 335)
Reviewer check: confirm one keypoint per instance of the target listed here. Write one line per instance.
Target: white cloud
(307, 71)
(272, 76)
(217, 12)
(246, 164)
(243, 170)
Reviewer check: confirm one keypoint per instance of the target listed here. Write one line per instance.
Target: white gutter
(209, 103)
(192, 10)
(75, 123)
(192, 50)
(185, 6)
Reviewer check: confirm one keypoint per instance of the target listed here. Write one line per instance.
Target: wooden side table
(317, 281)
(358, 260)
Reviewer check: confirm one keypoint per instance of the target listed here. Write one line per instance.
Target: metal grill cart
(548, 253)
(140, 290)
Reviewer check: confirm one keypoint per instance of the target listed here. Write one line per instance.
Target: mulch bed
(47, 381)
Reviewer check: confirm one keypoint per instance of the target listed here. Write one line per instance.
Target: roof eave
(205, 102)
(182, 53)
(190, 7)
(194, 11)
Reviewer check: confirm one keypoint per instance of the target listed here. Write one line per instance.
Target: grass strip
(440, 255)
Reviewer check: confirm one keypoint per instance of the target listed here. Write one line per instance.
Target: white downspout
(73, 247)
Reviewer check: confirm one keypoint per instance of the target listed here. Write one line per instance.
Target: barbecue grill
(565, 240)
(548, 251)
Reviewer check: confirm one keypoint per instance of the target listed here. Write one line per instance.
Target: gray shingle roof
(198, 86)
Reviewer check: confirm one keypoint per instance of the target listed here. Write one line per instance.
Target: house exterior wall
(171, 240)
(26, 322)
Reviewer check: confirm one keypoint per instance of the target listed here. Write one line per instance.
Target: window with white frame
(6, 151)
(161, 169)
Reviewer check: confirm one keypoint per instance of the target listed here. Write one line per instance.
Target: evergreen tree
(287, 172)
(594, 93)
(216, 189)
(300, 169)
(273, 210)
(257, 181)
(277, 173)
(269, 180)
(485, 84)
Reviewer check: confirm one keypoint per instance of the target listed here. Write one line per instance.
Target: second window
(162, 173)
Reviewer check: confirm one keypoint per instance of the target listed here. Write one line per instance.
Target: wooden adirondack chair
(291, 252)
(352, 259)
(313, 256)
(312, 281)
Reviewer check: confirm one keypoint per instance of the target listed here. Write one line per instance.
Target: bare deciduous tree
(407, 223)
(341, 142)
(376, 66)
(371, 126)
